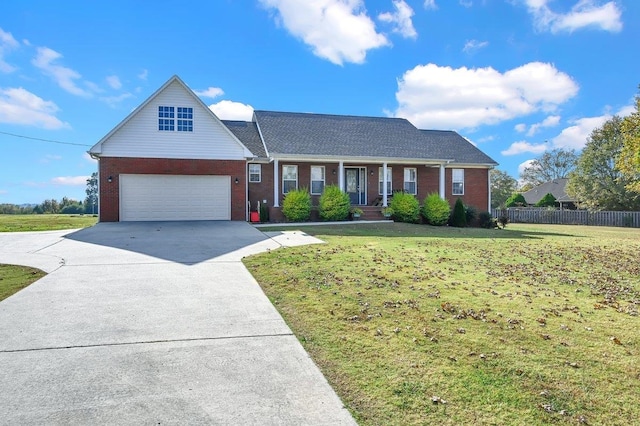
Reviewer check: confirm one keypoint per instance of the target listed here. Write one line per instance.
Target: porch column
(489, 190)
(341, 175)
(384, 184)
(276, 184)
(442, 192)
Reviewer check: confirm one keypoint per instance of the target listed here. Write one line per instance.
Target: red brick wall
(476, 188)
(115, 166)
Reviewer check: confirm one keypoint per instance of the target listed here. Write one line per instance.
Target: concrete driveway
(153, 323)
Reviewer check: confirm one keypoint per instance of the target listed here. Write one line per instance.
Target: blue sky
(515, 77)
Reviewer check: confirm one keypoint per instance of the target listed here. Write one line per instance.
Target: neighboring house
(554, 187)
(173, 159)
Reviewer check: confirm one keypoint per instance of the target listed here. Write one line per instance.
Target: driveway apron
(153, 323)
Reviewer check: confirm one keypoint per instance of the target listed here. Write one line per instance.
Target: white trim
(489, 191)
(276, 183)
(259, 173)
(384, 184)
(358, 160)
(415, 182)
(289, 180)
(441, 188)
(453, 181)
(341, 174)
(311, 180)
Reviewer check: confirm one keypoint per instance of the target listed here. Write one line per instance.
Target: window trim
(289, 180)
(414, 181)
(166, 118)
(184, 119)
(324, 178)
(390, 181)
(254, 173)
(460, 181)
(175, 119)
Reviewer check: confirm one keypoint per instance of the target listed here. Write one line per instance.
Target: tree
(596, 182)
(554, 164)
(629, 160)
(459, 218)
(91, 201)
(547, 201)
(516, 200)
(502, 186)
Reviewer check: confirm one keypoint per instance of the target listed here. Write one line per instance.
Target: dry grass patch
(420, 325)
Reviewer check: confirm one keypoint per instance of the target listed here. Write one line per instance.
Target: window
(317, 179)
(289, 178)
(185, 119)
(410, 186)
(167, 119)
(457, 177)
(389, 186)
(255, 173)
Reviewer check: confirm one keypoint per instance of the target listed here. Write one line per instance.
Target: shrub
(503, 220)
(486, 220)
(405, 207)
(334, 204)
(516, 200)
(296, 206)
(547, 201)
(471, 214)
(436, 210)
(75, 208)
(459, 218)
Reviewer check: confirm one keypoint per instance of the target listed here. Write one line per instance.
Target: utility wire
(43, 140)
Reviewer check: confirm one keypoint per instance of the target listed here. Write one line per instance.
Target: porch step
(371, 213)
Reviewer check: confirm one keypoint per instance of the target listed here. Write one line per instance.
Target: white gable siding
(140, 137)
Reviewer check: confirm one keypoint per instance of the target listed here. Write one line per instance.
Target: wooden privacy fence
(570, 217)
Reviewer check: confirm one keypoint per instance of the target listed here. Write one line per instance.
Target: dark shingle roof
(554, 187)
(303, 134)
(454, 146)
(247, 133)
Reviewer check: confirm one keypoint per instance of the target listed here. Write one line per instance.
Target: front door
(355, 182)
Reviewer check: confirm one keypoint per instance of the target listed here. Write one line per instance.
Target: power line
(43, 140)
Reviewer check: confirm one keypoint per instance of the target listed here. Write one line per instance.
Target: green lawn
(14, 278)
(533, 324)
(44, 222)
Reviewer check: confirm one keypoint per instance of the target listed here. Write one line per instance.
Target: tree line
(64, 206)
(604, 176)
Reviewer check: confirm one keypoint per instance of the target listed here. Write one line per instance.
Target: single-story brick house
(173, 159)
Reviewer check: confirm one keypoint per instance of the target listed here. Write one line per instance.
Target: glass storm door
(354, 182)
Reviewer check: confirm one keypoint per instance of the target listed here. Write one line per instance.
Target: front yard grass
(412, 324)
(44, 222)
(14, 278)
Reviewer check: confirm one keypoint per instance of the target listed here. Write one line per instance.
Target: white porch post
(276, 184)
(442, 192)
(489, 191)
(341, 175)
(384, 184)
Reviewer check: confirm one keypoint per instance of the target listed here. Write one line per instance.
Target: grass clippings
(414, 324)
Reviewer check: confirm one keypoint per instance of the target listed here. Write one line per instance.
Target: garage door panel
(174, 197)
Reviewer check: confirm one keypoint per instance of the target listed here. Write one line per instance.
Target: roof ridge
(330, 115)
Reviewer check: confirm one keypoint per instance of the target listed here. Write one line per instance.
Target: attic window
(167, 119)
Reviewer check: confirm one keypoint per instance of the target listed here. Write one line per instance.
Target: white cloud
(70, 180)
(7, 43)
(520, 127)
(143, 75)
(524, 165)
(430, 4)
(550, 121)
(401, 19)
(113, 101)
(575, 136)
(431, 96)
(474, 45)
(230, 110)
(337, 30)
(210, 92)
(63, 76)
(524, 146)
(19, 106)
(584, 14)
(114, 82)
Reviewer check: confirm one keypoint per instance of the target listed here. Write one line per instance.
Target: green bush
(471, 214)
(334, 204)
(487, 221)
(296, 206)
(435, 210)
(405, 207)
(459, 218)
(516, 200)
(547, 201)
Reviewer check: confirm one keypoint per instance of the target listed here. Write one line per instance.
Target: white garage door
(171, 197)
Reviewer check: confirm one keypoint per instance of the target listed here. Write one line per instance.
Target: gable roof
(97, 148)
(247, 132)
(554, 187)
(288, 134)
